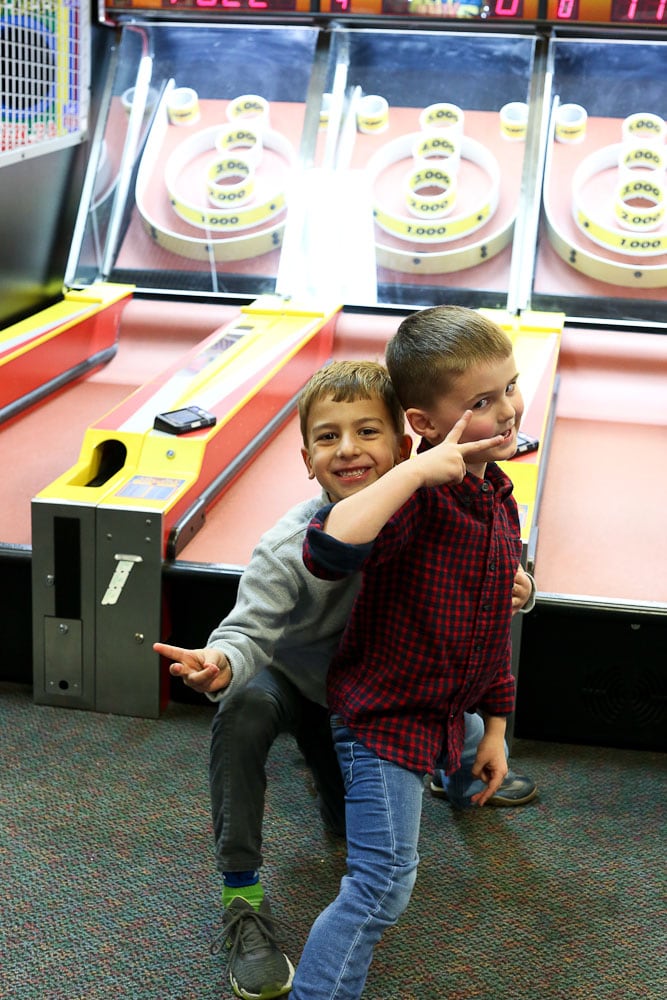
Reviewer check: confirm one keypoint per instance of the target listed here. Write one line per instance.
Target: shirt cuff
(530, 603)
(331, 554)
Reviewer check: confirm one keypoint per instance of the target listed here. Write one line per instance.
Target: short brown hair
(346, 381)
(435, 345)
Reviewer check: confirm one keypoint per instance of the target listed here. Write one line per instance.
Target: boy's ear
(309, 465)
(421, 423)
(404, 447)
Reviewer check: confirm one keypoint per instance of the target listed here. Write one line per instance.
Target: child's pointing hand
(446, 462)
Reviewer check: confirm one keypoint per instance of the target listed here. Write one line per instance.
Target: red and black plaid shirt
(429, 635)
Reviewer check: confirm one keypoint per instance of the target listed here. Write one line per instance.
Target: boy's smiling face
(491, 392)
(351, 444)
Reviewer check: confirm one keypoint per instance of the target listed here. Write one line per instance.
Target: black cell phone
(525, 443)
(190, 418)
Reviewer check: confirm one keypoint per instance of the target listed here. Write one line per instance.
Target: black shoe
(516, 790)
(258, 970)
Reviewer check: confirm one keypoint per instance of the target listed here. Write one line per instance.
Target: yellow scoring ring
(644, 128)
(642, 156)
(639, 218)
(593, 265)
(127, 100)
(514, 121)
(438, 146)
(430, 206)
(183, 106)
(372, 114)
(571, 120)
(210, 250)
(441, 117)
(595, 229)
(222, 184)
(249, 109)
(222, 219)
(456, 226)
(233, 140)
(411, 261)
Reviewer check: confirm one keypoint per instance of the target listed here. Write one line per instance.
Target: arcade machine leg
(96, 609)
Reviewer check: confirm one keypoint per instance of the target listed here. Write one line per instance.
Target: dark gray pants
(243, 731)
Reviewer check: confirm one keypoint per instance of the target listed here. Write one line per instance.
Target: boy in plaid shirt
(437, 540)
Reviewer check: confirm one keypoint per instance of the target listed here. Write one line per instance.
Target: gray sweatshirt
(283, 615)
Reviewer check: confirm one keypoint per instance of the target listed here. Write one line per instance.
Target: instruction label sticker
(150, 488)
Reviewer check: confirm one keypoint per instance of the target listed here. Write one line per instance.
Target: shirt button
(486, 486)
(492, 565)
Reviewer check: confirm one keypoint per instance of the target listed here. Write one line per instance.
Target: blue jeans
(383, 811)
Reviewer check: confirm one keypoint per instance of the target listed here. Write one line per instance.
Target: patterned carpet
(109, 890)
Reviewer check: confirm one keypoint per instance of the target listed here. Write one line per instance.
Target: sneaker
(516, 790)
(258, 969)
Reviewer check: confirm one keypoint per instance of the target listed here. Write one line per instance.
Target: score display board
(620, 12)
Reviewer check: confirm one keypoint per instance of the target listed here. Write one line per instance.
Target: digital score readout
(625, 12)
(574, 11)
(208, 6)
(608, 11)
(225, 6)
(621, 12)
(639, 11)
(482, 10)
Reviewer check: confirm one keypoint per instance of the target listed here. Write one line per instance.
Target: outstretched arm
(360, 518)
(204, 670)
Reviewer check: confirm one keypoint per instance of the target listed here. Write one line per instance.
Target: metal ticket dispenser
(102, 530)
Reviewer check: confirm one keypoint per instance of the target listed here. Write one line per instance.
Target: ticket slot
(67, 564)
(62, 633)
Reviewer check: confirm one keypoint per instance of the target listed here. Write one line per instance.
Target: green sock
(254, 894)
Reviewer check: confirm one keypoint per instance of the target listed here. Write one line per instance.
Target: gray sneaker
(258, 970)
(516, 790)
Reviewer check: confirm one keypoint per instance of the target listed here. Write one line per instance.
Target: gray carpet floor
(109, 889)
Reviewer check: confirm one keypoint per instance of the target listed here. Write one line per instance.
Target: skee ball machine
(360, 159)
